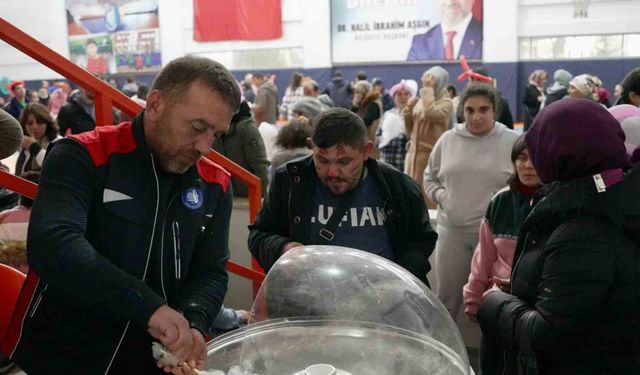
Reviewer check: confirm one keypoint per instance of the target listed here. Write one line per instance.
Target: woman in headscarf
(391, 138)
(583, 87)
(574, 302)
(425, 120)
(560, 87)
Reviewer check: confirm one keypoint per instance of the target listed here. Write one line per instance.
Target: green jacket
(243, 144)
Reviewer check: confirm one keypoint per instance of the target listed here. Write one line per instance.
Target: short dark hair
(452, 89)
(258, 75)
(631, 83)
(361, 75)
(295, 134)
(483, 70)
(519, 145)
(484, 90)
(143, 90)
(339, 126)
(176, 77)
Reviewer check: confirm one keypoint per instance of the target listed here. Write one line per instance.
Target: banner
(116, 36)
(217, 20)
(372, 31)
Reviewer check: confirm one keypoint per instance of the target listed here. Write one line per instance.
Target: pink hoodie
(493, 257)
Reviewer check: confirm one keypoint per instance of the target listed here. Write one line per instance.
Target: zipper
(38, 300)
(290, 213)
(515, 265)
(164, 221)
(146, 267)
(504, 362)
(176, 249)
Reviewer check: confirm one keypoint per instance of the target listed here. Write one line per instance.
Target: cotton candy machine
(325, 310)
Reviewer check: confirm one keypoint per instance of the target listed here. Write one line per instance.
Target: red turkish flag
(216, 20)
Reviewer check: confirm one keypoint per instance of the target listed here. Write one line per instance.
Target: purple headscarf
(573, 138)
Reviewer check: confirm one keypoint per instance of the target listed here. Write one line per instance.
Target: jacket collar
(556, 201)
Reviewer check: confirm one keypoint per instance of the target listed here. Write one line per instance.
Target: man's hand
(428, 81)
(290, 246)
(199, 353)
(172, 330)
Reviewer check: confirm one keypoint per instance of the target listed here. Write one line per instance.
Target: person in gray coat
(265, 108)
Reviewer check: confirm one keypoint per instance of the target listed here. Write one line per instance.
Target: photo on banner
(365, 31)
(93, 52)
(137, 51)
(119, 36)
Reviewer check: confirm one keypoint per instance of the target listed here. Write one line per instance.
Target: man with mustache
(379, 209)
(128, 240)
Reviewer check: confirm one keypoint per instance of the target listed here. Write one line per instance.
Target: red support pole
(105, 98)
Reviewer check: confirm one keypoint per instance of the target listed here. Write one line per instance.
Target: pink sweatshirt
(493, 257)
(498, 238)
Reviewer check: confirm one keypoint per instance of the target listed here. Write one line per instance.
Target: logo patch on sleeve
(192, 198)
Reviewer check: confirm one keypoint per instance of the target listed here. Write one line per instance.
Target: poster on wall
(368, 31)
(114, 36)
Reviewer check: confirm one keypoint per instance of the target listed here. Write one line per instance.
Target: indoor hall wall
(46, 21)
(306, 26)
(556, 17)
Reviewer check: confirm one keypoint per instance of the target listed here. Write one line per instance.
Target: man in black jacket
(78, 114)
(128, 240)
(384, 212)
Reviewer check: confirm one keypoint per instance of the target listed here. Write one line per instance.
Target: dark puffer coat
(574, 306)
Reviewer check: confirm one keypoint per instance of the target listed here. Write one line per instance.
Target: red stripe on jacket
(213, 173)
(12, 336)
(104, 141)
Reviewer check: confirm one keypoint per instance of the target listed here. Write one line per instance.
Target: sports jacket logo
(192, 198)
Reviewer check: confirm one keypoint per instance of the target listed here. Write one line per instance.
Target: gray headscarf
(441, 76)
(561, 79)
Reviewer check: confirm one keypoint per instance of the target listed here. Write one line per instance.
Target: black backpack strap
(327, 233)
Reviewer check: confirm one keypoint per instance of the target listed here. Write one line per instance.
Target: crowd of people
(536, 240)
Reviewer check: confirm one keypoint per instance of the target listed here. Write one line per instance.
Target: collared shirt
(460, 30)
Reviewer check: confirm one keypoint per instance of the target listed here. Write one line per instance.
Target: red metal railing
(105, 98)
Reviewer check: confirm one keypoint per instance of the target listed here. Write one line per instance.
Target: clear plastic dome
(326, 310)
